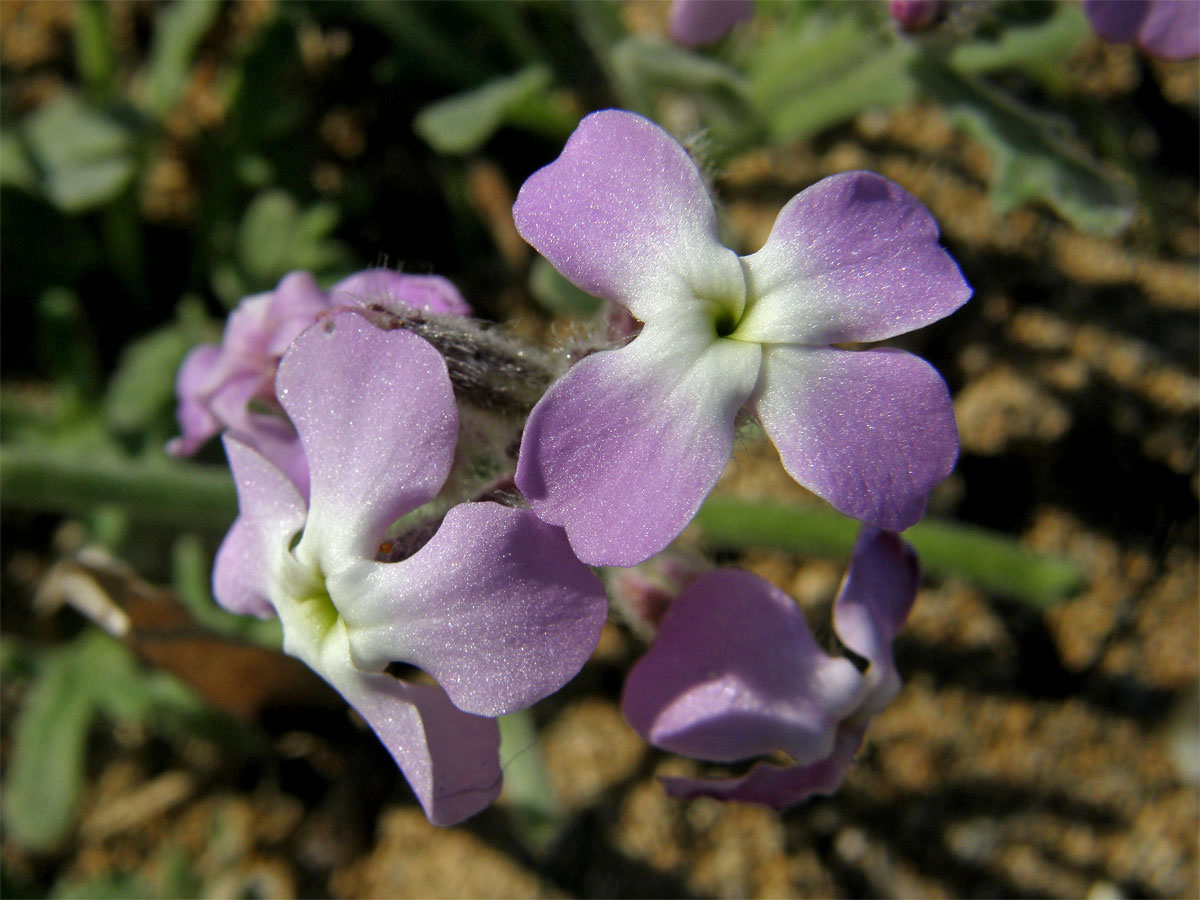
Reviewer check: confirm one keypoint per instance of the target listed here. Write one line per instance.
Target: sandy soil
(1029, 755)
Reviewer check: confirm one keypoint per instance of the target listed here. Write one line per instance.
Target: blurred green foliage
(71, 686)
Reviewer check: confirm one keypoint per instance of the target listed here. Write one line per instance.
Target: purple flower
(624, 447)
(494, 607)
(1169, 29)
(734, 673)
(697, 23)
(231, 386)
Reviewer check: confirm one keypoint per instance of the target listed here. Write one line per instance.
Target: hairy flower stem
(497, 379)
(488, 368)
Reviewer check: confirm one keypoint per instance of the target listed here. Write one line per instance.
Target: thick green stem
(992, 561)
(189, 496)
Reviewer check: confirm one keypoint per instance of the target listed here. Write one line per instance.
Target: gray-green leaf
(464, 122)
(1036, 156)
(84, 157)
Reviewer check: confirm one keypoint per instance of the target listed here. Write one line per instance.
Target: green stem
(536, 811)
(170, 493)
(992, 561)
(95, 57)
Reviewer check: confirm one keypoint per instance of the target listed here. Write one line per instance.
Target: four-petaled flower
(735, 673)
(622, 450)
(494, 607)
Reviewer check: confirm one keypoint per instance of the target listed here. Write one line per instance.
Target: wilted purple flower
(697, 23)
(734, 673)
(624, 447)
(231, 386)
(495, 607)
(1169, 29)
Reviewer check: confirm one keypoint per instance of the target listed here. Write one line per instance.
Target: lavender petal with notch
(495, 607)
(624, 214)
(854, 257)
(376, 417)
(622, 450)
(870, 431)
(734, 672)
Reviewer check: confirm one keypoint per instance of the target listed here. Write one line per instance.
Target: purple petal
(870, 431)
(622, 449)
(241, 578)
(734, 672)
(244, 341)
(294, 305)
(273, 436)
(1117, 21)
(1171, 29)
(376, 417)
(855, 257)
(875, 599)
(424, 293)
(230, 400)
(624, 214)
(495, 607)
(270, 513)
(776, 786)
(216, 384)
(276, 439)
(697, 23)
(450, 758)
(195, 420)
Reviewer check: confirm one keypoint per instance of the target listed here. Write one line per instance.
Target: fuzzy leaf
(143, 387)
(819, 72)
(1032, 48)
(1036, 156)
(178, 30)
(275, 237)
(45, 774)
(84, 157)
(648, 70)
(16, 168)
(559, 296)
(464, 122)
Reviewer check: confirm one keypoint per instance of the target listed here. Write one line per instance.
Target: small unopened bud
(643, 593)
(915, 15)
